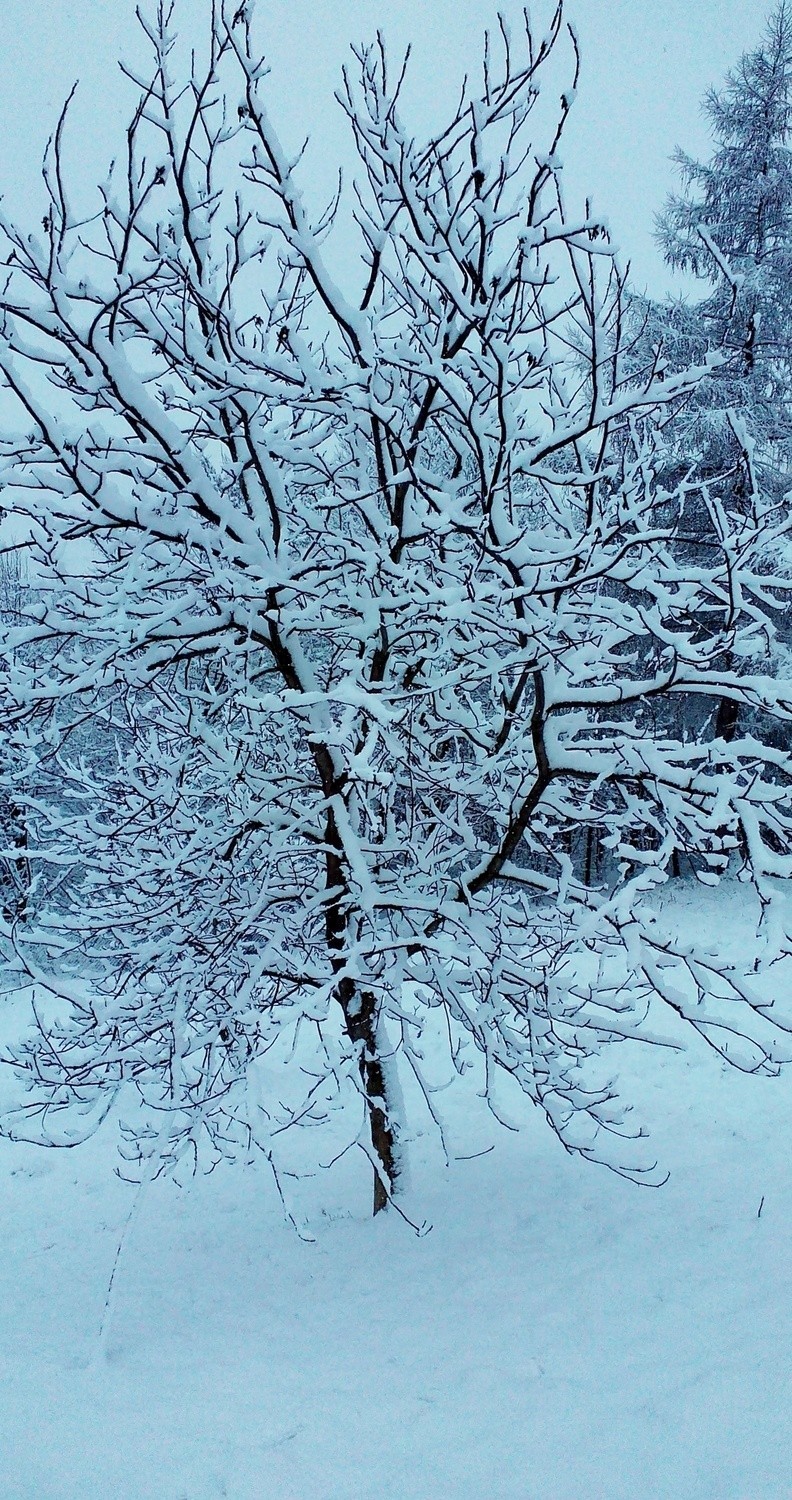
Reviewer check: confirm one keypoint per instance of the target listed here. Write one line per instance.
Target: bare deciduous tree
(367, 598)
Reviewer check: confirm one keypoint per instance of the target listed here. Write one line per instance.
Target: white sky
(646, 66)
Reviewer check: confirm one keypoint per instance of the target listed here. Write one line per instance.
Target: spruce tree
(730, 227)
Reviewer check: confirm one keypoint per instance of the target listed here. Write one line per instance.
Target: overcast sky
(646, 66)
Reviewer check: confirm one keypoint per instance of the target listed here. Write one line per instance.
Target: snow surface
(559, 1334)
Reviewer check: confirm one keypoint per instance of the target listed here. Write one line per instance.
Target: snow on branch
(367, 668)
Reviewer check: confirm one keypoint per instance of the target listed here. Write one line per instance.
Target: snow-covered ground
(559, 1334)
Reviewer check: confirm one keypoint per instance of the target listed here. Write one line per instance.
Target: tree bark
(726, 719)
(360, 1014)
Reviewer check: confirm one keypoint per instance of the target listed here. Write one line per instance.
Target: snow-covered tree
(14, 865)
(731, 227)
(367, 593)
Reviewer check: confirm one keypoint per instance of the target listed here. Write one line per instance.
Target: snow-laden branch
(367, 668)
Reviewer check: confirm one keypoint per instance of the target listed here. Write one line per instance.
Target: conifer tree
(731, 227)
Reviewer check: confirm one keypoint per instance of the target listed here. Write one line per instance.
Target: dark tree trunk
(726, 719)
(15, 887)
(360, 1014)
(592, 851)
(728, 710)
(360, 1017)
